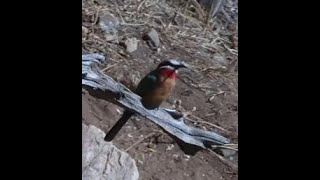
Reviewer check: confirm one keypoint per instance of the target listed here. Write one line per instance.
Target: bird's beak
(183, 65)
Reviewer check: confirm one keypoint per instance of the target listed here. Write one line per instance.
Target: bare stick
(139, 141)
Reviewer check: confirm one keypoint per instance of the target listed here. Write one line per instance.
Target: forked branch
(104, 87)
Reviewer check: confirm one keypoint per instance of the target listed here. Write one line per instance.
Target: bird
(153, 89)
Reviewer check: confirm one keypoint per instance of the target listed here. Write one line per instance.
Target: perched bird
(154, 89)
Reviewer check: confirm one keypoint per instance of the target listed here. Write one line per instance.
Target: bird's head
(172, 64)
(170, 68)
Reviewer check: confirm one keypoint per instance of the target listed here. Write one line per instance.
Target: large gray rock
(103, 161)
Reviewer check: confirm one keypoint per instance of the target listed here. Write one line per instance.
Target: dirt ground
(209, 90)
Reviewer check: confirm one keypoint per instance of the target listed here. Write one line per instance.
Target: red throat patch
(168, 73)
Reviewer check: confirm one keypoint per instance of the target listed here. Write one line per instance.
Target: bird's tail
(116, 128)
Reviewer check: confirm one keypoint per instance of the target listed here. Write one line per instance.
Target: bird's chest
(161, 92)
(166, 86)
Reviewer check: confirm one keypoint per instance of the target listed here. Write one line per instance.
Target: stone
(230, 154)
(111, 37)
(102, 160)
(131, 44)
(84, 30)
(152, 39)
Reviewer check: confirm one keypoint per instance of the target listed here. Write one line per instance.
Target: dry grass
(180, 24)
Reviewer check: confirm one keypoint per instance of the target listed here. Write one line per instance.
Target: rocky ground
(135, 36)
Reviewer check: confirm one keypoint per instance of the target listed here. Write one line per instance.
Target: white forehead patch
(175, 62)
(166, 67)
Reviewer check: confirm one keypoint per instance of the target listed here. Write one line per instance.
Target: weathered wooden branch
(104, 87)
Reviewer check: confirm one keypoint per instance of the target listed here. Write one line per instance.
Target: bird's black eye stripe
(166, 63)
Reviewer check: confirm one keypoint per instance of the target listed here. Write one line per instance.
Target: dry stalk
(140, 5)
(139, 141)
(225, 147)
(108, 67)
(199, 120)
(199, 9)
(223, 160)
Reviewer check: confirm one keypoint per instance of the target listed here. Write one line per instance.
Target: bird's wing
(147, 84)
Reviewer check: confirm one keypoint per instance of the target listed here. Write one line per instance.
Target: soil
(208, 89)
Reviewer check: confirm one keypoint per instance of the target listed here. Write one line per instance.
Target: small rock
(187, 157)
(131, 44)
(84, 33)
(109, 23)
(228, 153)
(220, 59)
(169, 148)
(152, 39)
(140, 162)
(175, 155)
(157, 61)
(135, 78)
(84, 30)
(111, 37)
